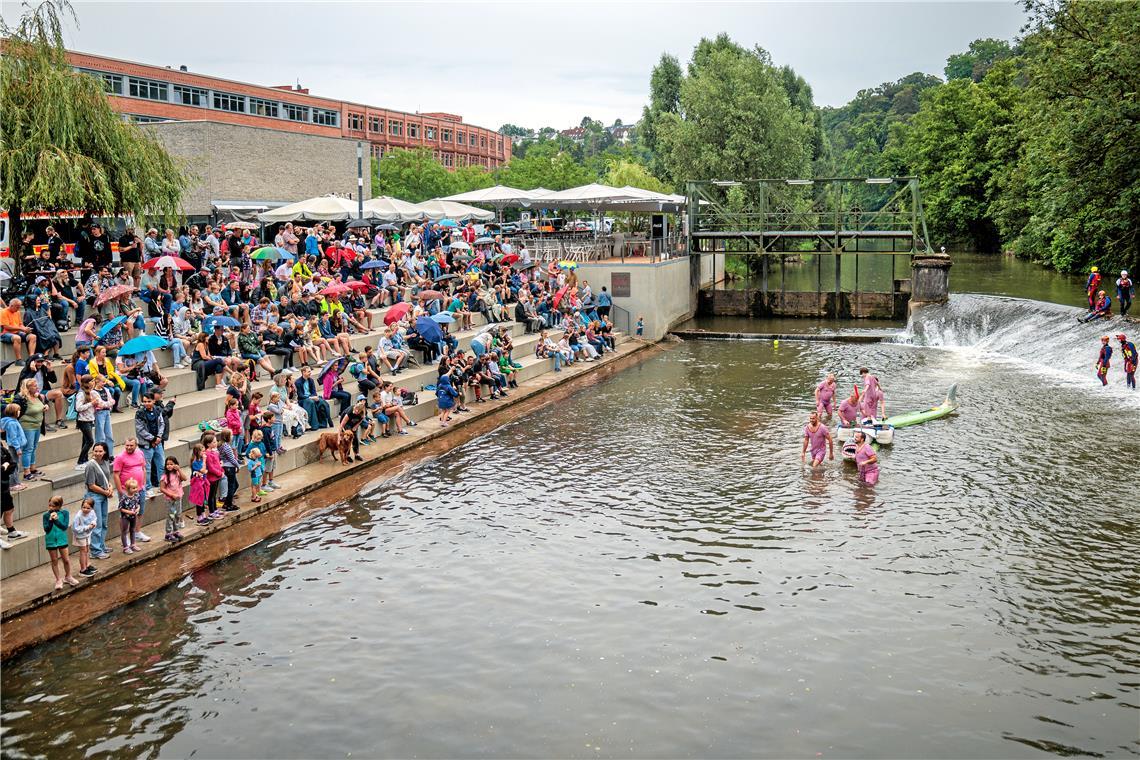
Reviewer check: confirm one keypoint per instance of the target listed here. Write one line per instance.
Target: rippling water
(647, 570)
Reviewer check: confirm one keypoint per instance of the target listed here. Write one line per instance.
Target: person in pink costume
(818, 438)
(866, 459)
(824, 393)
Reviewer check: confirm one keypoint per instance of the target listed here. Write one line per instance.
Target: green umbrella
(270, 253)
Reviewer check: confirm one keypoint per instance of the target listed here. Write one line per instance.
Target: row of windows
(149, 89)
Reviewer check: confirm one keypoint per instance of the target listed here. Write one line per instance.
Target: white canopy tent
(328, 208)
(393, 210)
(498, 196)
(440, 208)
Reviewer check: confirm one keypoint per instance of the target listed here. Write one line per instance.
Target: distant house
(622, 133)
(577, 134)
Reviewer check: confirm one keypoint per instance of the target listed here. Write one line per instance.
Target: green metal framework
(830, 215)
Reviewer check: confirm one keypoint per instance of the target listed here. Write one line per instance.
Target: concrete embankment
(835, 337)
(30, 612)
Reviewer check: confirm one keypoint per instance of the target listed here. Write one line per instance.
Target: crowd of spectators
(224, 302)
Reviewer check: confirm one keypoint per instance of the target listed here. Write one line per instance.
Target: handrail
(617, 313)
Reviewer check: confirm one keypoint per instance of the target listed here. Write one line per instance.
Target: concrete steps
(29, 552)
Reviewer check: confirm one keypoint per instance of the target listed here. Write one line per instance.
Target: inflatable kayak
(880, 432)
(907, 419)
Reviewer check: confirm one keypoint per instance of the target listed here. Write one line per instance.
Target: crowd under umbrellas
(223, 301)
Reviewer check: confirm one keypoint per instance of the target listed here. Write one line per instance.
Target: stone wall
(757, 303)
(662, 292)
(236, 163)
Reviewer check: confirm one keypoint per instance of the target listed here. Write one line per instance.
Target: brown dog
(336, 442)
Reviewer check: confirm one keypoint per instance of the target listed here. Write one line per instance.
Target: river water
(647, 570)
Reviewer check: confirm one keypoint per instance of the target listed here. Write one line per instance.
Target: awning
(328, 208)
(393, 210)
(444, 209)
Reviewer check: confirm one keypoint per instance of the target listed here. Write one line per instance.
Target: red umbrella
(558, 296)
(397, 312)
(431, 295)
(169, 262)
(114, 291)
(356, 285)
(336, 289)
(510, 258)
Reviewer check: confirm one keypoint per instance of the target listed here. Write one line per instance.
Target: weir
(837, 247)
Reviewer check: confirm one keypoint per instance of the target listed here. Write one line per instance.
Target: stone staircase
(57, 451)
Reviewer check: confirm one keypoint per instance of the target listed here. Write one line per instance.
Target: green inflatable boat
(907, 419)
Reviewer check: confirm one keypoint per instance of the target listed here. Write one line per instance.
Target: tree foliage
(62, 146)
(976, 62)
(734, 119)
(545, 165)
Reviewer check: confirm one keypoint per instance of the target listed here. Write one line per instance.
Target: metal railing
(621, 319)
(587, 249)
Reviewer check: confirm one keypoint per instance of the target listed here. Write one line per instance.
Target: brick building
(155, 93)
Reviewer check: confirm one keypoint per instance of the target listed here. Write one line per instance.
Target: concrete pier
(930, 279)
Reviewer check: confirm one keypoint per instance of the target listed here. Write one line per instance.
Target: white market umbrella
(440, 208)
(498, 196)
(328, 208)
(388, 209)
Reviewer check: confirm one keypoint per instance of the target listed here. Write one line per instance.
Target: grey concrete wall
(756, 303)
(233, 162)
(659, 291)
(712, 269)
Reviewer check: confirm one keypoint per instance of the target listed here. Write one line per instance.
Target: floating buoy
(776, 343)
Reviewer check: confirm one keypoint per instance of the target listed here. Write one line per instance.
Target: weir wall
(757, 303)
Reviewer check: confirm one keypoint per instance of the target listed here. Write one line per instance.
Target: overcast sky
(529, 63)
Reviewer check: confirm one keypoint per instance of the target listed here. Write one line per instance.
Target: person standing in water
(824, 393)
(1124, 292)
(1128, 351)
(873, 399)
(1103, 360)
(866, 459)
(816, 435)
(1091, 286)
(849, 408)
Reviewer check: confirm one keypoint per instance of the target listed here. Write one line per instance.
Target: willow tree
(62, 146)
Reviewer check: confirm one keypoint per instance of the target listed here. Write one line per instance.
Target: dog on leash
(336, 442)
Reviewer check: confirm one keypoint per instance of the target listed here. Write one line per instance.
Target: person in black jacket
(94, 248)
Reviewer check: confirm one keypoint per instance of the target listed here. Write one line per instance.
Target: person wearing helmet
(1101, 310)
(1124, 292)
(1091, 286)
(1103, 360)
(1128, 351)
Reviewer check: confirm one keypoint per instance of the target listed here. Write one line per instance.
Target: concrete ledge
(31, 612)
(876, 337)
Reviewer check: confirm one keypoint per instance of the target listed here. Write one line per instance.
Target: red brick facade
(382, 128)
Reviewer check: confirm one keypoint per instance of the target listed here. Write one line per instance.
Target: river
(647, 570)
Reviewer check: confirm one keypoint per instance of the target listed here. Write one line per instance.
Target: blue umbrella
(110, 326)
(443, 318)
(448, 223)
(429, 329)
(374, 264)
(337, 364)
(210, 322)
(142, 344)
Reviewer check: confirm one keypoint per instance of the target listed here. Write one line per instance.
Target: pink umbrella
(431, 295)
(170, 262)
(336, 289)
(559, 295)
(114, 291)
(397, 312)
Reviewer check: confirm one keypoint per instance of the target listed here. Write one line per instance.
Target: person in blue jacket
(1103, 360)
(1128, 351)
(445, 396)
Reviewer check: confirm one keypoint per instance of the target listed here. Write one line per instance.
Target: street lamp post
(359, 179)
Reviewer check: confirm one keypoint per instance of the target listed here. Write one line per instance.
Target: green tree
(410, 175)
(976, 62)
(467, 178)
(1078, 173)
(545, 165)
(664, 97)
(734, 119)
(62, 146)
(620, 173)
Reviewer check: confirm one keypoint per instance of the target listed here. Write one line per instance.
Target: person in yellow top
(331, 306)
(101, 365)
(301, 268)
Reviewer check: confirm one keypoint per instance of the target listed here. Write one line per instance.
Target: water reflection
(647, 570)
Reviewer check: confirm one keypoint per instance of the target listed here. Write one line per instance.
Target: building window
(261, 107)
(413, 130)
(295, 112)
(375, 124)
(112, 83)
(138, 118)
(223, 101)
(356, 121)
(146, 88)
(500, 147)
(461, 138)
(482, 142)
(395, 128)
(190, 96)
(448, 160)
(446, 135)
(377, 150)
(463, 159)
(325, 117)
(430, 132)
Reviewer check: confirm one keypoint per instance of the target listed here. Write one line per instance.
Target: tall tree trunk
(15, 239)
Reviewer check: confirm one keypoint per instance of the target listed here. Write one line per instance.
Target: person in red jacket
(469, 233)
